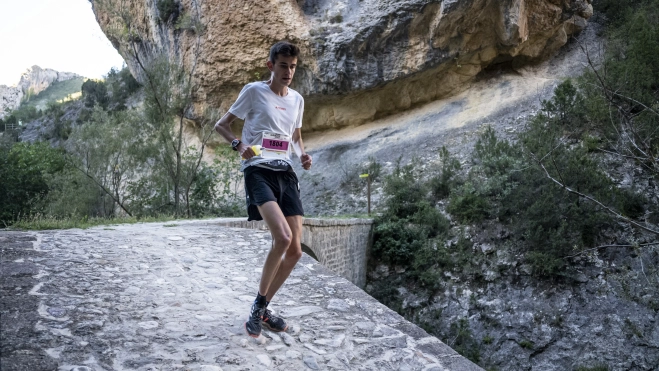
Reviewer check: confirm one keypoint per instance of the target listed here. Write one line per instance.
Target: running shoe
(253, 324)
(273, 323)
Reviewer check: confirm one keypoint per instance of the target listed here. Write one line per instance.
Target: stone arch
(306, 249)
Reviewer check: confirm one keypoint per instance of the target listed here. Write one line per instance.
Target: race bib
(275, 146)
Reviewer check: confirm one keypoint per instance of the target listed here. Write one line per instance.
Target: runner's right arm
(223, 127)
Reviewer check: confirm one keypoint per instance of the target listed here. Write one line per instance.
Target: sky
(58, 34)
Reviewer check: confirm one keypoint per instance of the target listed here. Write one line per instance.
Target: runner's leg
(281, 237)
(293, 255)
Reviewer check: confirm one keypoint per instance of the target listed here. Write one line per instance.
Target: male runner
(273, 117)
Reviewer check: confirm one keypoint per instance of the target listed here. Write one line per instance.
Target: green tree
(24, 169)
(95, 93)
(169, 90)
(112, 151)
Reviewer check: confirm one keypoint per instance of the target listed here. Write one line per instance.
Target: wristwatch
(235, 143)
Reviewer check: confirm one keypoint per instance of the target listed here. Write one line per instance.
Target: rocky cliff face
(605, 316)
(362, 59)
(10, 98)
(32, 82)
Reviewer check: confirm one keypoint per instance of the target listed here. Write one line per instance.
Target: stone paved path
(174, 296)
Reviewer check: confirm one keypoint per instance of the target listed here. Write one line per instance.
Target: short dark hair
(283, 48)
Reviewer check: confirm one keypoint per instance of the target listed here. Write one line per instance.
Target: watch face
(235, 142)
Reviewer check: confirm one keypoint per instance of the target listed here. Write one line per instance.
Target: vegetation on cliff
(576, 186)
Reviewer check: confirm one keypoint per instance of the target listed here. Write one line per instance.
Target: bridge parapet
(341, 245)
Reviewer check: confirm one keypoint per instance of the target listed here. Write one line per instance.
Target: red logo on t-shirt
(281, 108)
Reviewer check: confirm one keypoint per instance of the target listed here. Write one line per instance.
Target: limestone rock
(32, 82)
(362, 59)
(10, 98)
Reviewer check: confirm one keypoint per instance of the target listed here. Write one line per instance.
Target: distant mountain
(32, 82)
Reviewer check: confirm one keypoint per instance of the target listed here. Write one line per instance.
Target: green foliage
(467, 205)
(58, 91)
(388, 295)
(565, 107)
(600, 367)
(20, 116)
(398, 241)
(526, 344)
(113, 150)
(168, 97)
(461, 339)
(510, 182)
(552, 222)
(46, 222)
(24, 169)
(72, 196)
(616, 11)
(336, 19)
(168, 10)
(121, 85)
(95, 93)
(441, 183)
(412, 232)
(188, 22)
(226, 182)
(26, 113)
(622, 99)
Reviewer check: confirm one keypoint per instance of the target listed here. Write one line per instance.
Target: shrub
(122, 85)
(600, 367)
(467, 205)
(565, 107)
(95, 93)
(461, 339)
(24, 169)
(441, 184)
(398, 241)
(405, 191)
(168, 10)
(412, 231)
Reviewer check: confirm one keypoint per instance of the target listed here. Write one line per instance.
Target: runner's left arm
(304, 157)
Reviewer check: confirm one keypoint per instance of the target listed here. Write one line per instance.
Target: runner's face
(283, 69)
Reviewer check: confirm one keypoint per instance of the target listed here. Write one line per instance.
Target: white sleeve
(298, 122)
(243, 104)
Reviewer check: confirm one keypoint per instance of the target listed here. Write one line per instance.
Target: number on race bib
(275, 146)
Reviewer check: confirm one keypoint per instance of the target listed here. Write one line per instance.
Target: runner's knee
(294, 254)
(282, 240)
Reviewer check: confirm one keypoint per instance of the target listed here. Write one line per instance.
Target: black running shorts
(263, 185)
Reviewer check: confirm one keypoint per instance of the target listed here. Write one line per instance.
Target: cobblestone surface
(174, 296)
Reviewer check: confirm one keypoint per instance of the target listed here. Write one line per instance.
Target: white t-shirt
(263, 112)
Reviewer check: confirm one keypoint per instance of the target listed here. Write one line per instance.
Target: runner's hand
(245, 151)
(306, 161)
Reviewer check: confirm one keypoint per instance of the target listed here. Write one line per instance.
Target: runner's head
(282, 62)
(285, 49)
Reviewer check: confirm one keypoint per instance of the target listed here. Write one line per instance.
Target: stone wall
(342, 245)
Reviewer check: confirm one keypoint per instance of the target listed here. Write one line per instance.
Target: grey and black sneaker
(273, 323)
(253, 324)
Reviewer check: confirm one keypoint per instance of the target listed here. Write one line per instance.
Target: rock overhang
(353, 50)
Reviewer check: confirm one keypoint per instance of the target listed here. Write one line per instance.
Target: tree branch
(605, 246)
(608, 209)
